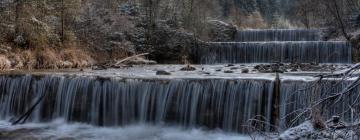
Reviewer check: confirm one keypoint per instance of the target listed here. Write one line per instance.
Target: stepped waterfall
(281, 45)
(225, 103)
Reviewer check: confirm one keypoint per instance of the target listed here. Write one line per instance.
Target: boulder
(219, 31)
(228, 71)
(162, 72)
(166, 44)
(245, 71)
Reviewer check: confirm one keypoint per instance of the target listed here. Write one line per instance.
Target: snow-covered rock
(303, 131)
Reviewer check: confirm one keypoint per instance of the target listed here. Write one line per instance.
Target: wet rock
(294, 70)
(245, 71)
(162, 72)
(257, 67)
(188, 68)
(228, 71)
(99, 67)
(278, 71)
(314, 63)
(234, 68)
(204, 72)
(229, 65)
(218, 70)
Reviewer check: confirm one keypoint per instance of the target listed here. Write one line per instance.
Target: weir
(270, 52)
(212, 103)
(275, 45)
(228, 104)
(264, 35)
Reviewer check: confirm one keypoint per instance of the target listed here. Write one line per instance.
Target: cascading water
(276, 45)
(296, 96)
(226, 104)
(256, 35)
(269, 52)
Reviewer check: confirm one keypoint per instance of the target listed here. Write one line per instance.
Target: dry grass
(46, 58)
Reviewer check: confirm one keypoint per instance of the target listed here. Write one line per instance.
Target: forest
(37, 34)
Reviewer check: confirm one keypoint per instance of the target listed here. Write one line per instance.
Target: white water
(58, 129)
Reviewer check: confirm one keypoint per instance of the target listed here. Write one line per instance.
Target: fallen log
(22, 119)
(129, 58)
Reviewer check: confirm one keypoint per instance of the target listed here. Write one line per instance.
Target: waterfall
(216, 103)
(277, 35)
(227, 104)
(275, 45)
(298, 95)
(268, 52)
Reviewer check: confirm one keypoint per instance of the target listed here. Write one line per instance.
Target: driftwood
(129, 58)
(127, 62)
(22, 119)
(346, 74)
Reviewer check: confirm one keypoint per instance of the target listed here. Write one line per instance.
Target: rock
(278, 71)
(294, 70)
(188, 68)
(229, 65)
(206, 73)
(167, 44)
(20, 40)
(218, 70)
(162, 72)
(298, 132)
(219, 31)
(335, 123)
(99, 67)
(245, 71)
(228, 71)
(234, 68)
